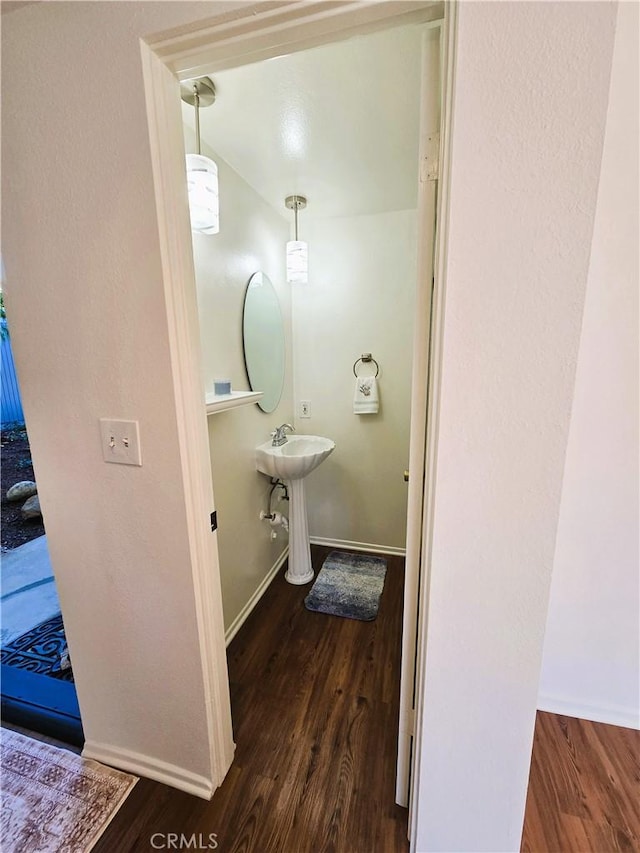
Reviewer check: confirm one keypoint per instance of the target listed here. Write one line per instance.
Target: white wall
(591, 659)
(252, 237)
(530, 101)
(360, 298)
(84, 287)
(84, 282)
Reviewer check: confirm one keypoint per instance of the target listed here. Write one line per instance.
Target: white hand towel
(365, 398)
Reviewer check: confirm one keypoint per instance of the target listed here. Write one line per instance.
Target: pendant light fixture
(202, 172)
(297, 253)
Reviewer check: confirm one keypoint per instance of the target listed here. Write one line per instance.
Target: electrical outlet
(305, 409)
(120, 441)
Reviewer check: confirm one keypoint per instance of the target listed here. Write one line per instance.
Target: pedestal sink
(292, 462)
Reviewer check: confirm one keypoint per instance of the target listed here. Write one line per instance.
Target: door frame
(448, 47)
(245, 35)
(430, 115)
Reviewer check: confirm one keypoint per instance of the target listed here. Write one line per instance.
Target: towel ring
(366, 357)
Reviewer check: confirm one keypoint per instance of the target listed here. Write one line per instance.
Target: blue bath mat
(348, 585)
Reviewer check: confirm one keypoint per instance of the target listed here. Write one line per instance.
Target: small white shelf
(222, 402)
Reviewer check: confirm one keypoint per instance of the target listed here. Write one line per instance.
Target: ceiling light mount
(201, 89)
(295, 202)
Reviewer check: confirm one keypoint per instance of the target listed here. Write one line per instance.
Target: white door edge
(427, 193)
(448, 60)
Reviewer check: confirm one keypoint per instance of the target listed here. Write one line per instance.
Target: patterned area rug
(53, 800)
(41, 650)
(348, 585)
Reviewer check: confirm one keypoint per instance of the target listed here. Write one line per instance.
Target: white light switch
(120, 441)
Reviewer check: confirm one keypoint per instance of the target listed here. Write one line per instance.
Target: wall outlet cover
(305, 409)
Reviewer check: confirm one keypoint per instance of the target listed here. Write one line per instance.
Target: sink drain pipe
(276, 519)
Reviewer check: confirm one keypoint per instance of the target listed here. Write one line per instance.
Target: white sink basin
(294, 459)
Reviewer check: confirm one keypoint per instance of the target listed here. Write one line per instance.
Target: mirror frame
(271, 398)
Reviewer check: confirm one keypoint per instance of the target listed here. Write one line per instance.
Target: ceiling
(338, 124)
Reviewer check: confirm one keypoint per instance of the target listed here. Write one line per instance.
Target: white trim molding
(430, 112)
(244, 614)
(612, 715)
(149, 768)
(162, 93)
(268, 29)
(368, 547)
(448, 64)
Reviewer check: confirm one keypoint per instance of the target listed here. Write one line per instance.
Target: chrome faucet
(278, 435)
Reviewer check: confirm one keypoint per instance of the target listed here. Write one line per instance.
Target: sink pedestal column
(299, 570)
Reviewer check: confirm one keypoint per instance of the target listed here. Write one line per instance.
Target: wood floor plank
(315, 714)
(584, 788)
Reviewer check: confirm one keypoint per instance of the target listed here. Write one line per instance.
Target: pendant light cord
(295, 219)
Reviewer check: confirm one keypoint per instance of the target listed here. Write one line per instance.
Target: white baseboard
(357, 546)
(242, 617)
(151, 768)
(612, 715)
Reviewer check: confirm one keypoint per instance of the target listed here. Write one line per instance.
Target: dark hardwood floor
(315, 713)
(315, 705)
(584, 788)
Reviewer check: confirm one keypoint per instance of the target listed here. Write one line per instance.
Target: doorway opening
(218, 45)
(38, 690)
(352, 126)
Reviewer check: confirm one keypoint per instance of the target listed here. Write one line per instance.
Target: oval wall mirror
(263, 340)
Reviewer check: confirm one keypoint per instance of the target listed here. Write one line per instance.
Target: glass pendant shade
(297, 262)
(202, 184)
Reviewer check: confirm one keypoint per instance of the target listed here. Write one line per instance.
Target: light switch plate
(305, 409)
(120, 441)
